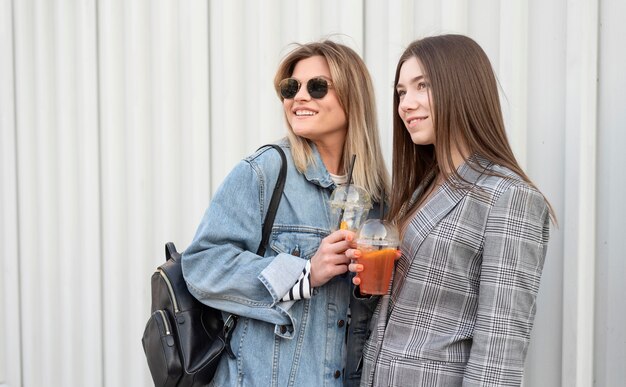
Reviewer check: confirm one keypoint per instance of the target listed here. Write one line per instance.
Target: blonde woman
(293, 303)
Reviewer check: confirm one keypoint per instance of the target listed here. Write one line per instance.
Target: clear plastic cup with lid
(349, 206)
(378, 241)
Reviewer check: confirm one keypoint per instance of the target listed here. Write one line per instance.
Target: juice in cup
(349, 206)
(377, 269)
(378, 243)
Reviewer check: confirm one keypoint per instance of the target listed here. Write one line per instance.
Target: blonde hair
(353, 85)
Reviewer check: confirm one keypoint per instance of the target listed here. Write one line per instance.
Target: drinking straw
(382, 204)
(343, 208)
(382, 212)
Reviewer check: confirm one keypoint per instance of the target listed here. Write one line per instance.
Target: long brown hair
(353, 86)
(465, 111)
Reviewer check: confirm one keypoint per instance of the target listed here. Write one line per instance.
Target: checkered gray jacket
(462, 303)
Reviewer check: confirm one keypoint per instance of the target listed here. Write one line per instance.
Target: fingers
(356, 281)
(338, 246)
(324, 268)
(355, 267)
(353, 253)
(341, 235)
(331, 259)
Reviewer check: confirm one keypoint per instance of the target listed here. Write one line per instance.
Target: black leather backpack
(184, 339)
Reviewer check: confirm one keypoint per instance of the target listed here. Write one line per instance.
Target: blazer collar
(445, 198)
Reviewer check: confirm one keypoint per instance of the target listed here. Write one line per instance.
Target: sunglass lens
(289, 88)
(317, 87)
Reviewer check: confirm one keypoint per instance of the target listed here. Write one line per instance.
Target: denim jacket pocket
(298, 241)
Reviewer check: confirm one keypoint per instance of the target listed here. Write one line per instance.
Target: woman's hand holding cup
(330, 259)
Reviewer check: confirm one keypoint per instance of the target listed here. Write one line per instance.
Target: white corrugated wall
(119, 118)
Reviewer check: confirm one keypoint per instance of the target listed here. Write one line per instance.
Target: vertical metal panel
(128, 116)
(229, 116)
(610, 314)
(150, 128)
(513, 74)
(113, 32)
(454, 16)
(75, 96)
(348, 18)
(579, 219)
(257, 100)
(270, 122)
(37, 174)
(193, 174)
(377, 49)
(426, 15)
(484, 27)
(58, 174)
(10, 312)
(546, 166)
(86, 253)
(167, 130)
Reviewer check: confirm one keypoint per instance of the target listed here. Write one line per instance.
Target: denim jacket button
(337, 374)
(341, 323)
(283, 329)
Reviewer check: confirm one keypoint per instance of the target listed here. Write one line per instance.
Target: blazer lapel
(445, 198)
(443, 201)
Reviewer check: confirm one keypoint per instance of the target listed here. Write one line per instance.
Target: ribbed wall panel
(610, 315)
(126, 116)
(10, 345)
(546, 166)
(579, 218)
(192, 179)
(114, 35)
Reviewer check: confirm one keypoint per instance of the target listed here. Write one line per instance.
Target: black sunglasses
(317, 87)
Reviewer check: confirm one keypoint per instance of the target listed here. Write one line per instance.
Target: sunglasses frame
(310, 87)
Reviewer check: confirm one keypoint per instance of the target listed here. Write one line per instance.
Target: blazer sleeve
(515, 243)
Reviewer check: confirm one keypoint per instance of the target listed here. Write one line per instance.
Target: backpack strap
(171, 253)
(274, 202)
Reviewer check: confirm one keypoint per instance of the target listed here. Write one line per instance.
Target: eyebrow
(315, 76)
(414, 80)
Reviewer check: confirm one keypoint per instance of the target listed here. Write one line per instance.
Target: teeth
(305, 113)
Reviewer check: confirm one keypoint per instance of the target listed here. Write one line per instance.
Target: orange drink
(378, 242)
(377, 269)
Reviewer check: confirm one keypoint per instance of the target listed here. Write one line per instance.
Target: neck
(459, 154)
(331, 155)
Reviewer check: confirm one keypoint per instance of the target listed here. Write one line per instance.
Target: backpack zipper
(170, 289)
(164, 319)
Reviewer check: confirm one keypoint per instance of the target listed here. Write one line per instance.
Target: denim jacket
(276, 343)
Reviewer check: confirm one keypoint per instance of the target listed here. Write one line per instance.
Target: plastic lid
(379, 233)
(345, 196)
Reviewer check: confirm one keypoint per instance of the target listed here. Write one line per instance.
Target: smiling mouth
(416, 119)
(305, 113)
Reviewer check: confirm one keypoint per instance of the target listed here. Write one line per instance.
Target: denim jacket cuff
(281, 274)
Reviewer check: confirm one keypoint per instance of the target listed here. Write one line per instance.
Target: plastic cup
(378, 242)
(349, 206)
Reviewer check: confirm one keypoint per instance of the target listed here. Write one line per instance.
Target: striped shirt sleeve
(302, 288)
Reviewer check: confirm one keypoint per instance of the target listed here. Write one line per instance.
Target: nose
(409, 102)
(302, 94)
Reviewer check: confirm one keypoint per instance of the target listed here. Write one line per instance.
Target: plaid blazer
(462, 303)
